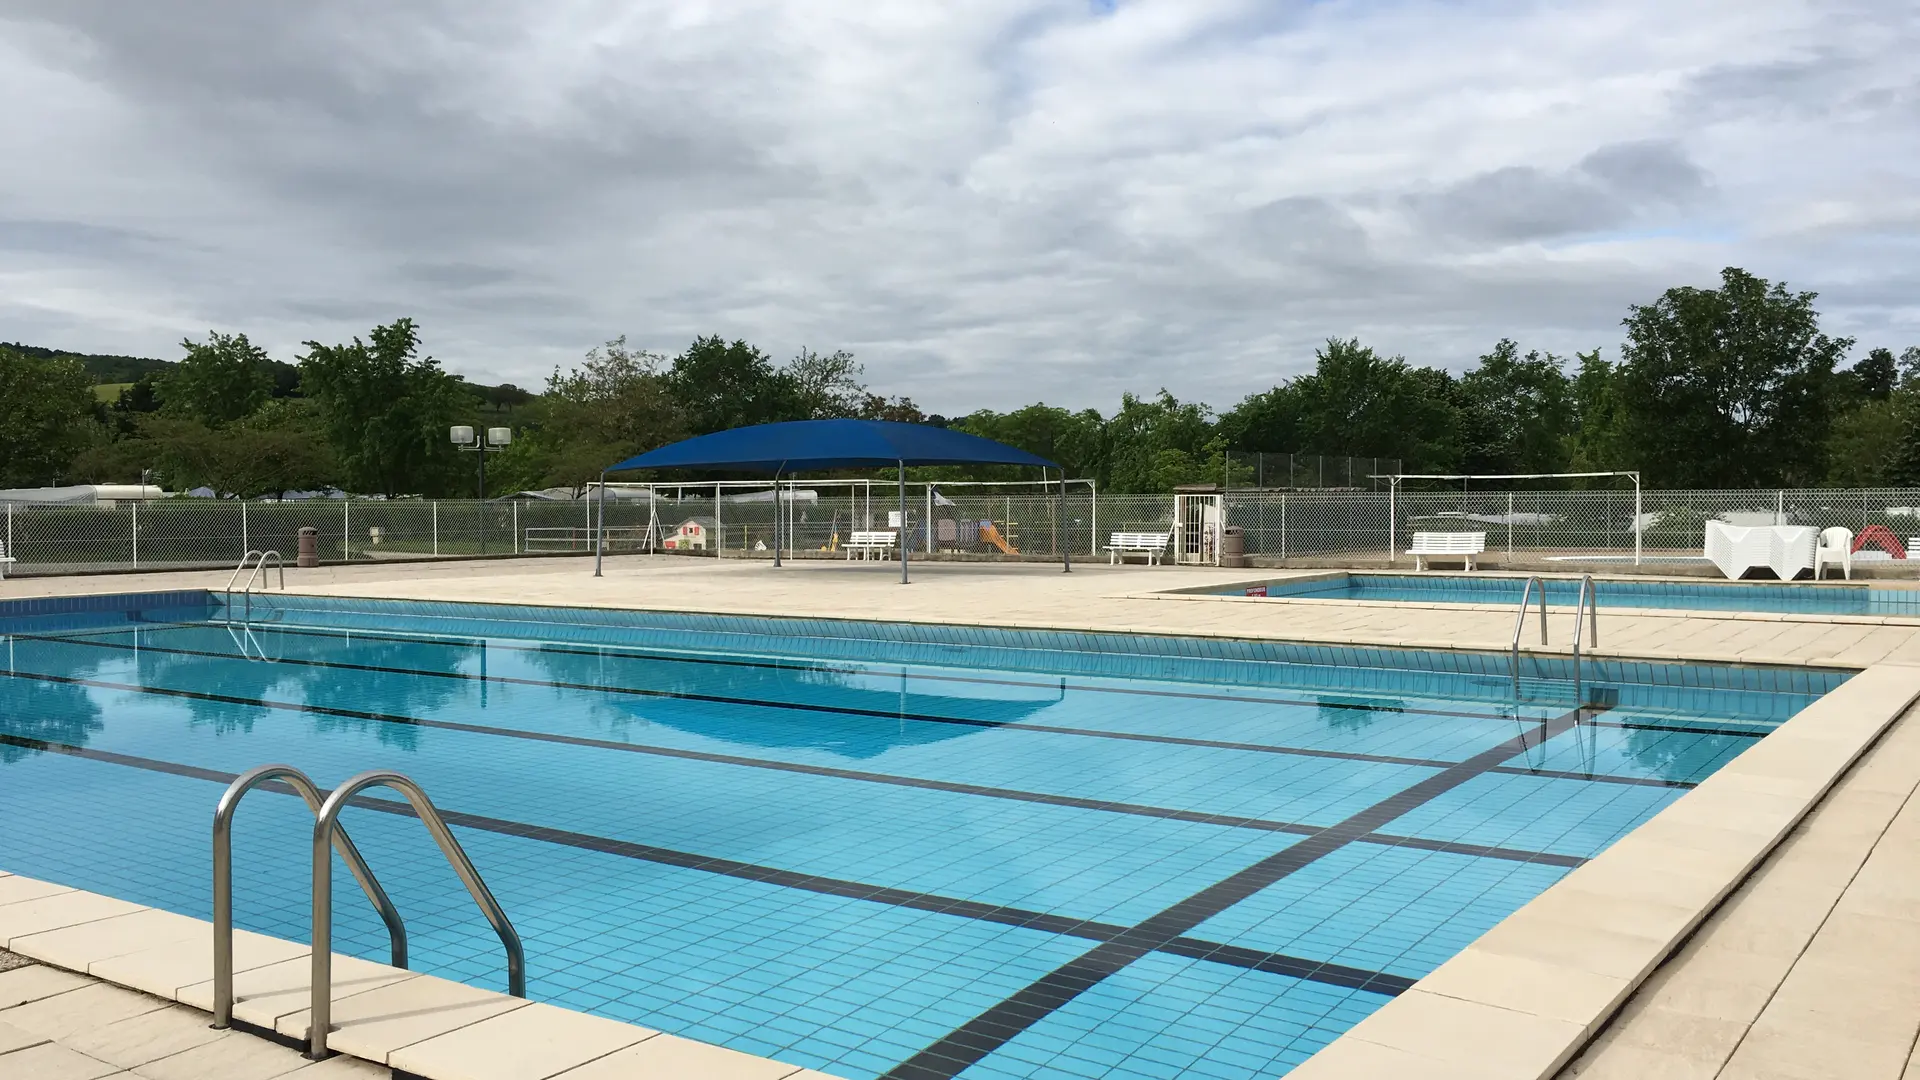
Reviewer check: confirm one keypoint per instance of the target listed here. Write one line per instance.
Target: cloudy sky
(989, 202)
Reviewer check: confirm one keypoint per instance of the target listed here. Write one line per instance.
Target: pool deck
(1765, 925)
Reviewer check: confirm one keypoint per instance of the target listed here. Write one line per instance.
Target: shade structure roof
(812, 445)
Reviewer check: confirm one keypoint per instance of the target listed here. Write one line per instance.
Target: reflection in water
(1680, 755)
(1354, 714)
(54, 712)
(887, 712)
(384, 692)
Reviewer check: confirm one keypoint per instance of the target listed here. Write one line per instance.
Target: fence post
(1393, 521)
(436, 528)
(1093, 525)
(245, 546)
(1283, 521)
(346, 529)
(1509, 530)
(719, 530)
(136, 534)
(1638, 525)
(10, 548)
(1780, 507)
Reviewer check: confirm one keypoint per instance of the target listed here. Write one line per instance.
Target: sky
(989, 203)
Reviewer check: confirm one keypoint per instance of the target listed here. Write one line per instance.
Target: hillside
(103, 368)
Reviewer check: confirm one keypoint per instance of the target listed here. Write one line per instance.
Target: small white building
(693, 534)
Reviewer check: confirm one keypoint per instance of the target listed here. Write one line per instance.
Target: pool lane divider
(1045, 798)
(880, 714)
(1320, 971)
(966, 1045)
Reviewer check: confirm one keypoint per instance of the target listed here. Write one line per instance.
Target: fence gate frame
(1393, 498)
(1197, 520)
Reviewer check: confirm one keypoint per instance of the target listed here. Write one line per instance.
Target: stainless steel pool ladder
(1587, 604)
(258, 560)
(329, 836)
(1520, 623)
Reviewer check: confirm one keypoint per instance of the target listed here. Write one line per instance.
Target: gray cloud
(988, 202)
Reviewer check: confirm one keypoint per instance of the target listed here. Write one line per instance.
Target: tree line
(1728, 387)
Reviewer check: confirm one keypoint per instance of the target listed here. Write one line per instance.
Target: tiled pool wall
(1223, 661)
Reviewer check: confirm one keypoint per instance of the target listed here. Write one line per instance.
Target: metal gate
(1196, 532)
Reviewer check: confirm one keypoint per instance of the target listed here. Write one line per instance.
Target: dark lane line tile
(1315, 970)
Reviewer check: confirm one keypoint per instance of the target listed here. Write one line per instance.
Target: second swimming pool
(1803, 599)
(878, 850)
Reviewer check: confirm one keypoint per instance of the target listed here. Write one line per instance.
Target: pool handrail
(326, 825)
(1520, 623)
(223, 878)
(245, 561)
(1588, 603)
(258, 559)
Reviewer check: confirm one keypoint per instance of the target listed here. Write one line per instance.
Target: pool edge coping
(1522, 1001)
(87, 933)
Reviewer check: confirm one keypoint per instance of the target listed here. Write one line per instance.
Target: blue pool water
(1822, 599)
(871, 849)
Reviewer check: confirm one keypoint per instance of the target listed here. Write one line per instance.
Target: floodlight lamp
(460, 435)
(499, 436)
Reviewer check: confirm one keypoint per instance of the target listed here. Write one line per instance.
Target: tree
(220, 380)
(1361, 404)
(614, 405)
(46, 417)
(718, 386)
(385, 411)
(1596, 426)
(1728, 387)
(1077, 440)
(1874, 375)
(1155, 443)
(277, 449)
(1515, 413)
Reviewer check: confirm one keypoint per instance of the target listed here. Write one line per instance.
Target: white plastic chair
(1836, 549)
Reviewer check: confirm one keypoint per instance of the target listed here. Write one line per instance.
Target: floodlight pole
(600, 527)
(902, 538)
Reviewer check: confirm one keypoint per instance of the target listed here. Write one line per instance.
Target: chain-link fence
(1304, 527)
(1307, 472)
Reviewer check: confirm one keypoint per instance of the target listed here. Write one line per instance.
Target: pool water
(871, 849)
(1807, 599)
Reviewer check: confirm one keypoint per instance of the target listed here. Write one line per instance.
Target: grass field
(109, 392)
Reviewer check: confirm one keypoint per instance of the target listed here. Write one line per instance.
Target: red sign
(1256, 590)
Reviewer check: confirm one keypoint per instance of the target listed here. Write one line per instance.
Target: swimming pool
(1809, 599)
(874, 849)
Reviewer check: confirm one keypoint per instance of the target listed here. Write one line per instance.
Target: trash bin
(309, 547)
(1233, 546)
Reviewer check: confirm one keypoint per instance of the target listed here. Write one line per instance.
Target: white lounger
(5, 559)
(1122, 544)
(869, 543)
(1462, 545)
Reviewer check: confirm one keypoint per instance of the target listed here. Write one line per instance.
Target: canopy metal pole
(902, 538)
(1066, 538)
(600, 531)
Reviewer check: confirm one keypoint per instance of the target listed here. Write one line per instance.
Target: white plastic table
(1784, 549)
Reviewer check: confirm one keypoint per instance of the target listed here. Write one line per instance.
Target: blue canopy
(813, 445)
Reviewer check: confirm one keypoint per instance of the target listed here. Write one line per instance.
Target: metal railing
(258, 560)
(326, 827)
(1588, 604)
(1520, 622)
(223, 878)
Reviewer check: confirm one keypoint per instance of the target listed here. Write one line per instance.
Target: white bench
(5, 559)
(869, 543)
(1465, 545)
(1122, 544)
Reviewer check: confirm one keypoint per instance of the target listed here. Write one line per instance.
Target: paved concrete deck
(1811, 970)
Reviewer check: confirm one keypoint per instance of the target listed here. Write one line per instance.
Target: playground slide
(990, 533)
